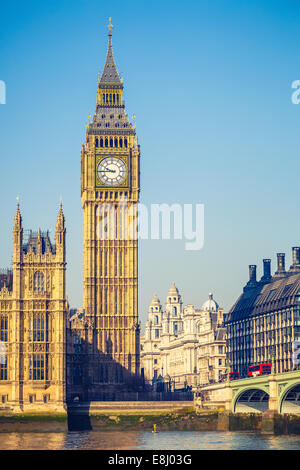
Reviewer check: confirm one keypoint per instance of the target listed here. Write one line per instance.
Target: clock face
(112, 171)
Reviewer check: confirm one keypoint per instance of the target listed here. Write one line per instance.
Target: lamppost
(228, 364)
(195, 376)
(272, 349)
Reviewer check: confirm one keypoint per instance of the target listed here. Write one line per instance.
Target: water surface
(141, 440)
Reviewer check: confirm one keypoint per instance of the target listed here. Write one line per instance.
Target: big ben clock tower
(110, 160)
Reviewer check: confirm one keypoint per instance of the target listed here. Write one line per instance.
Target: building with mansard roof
(183, 345)
(264, 323)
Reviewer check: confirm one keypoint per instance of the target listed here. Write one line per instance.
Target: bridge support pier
(228, 398)
(273, 395)
(273, 423)
(223, 423)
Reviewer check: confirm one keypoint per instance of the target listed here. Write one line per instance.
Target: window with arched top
(121, 143)
(125, 143)
(39, 284)
(96, 142)
(174, 311)
(156, 319)
(101, 142)
(117, 99)
(116, 142)
(106, 142)
(103, 98)
(111, 143)
(114, 98)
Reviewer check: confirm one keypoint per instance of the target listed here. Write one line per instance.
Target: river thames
(93, 440)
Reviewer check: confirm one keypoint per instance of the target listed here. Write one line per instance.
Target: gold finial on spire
(110, 27)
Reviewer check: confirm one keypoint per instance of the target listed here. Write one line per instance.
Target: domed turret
(155, 305)
(155, 301)
(210, 305)
(173, 295)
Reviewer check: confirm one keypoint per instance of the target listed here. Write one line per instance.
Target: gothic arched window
(175, 311)
(101, 142)
(111, 143)
(39, 282)
(121, 143)
(117, 99)
(96, 142)
(116, 142)
(106, 142)
(125, 142)
(156, 319)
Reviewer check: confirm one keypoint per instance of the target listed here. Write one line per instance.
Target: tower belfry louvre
(110, 160)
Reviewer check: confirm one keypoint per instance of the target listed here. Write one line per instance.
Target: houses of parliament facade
(50, 354)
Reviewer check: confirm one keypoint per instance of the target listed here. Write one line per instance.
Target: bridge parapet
(269, 392)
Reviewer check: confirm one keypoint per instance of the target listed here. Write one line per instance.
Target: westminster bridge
(279, 393)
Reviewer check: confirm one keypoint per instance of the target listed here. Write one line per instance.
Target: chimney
(267, 270)
(280, 264)
(252, 273)
(296, 258)
(252, 278)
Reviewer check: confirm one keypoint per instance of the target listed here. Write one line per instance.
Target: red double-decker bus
(259, 369)
(232, 376)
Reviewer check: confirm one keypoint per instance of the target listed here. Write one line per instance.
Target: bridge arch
(251, 400)
(289, 401)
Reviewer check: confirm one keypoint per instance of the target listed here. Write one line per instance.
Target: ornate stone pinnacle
(110, 27)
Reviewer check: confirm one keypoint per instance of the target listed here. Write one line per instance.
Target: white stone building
(183, 345)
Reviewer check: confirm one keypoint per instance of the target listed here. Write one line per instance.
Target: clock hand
(110, 171)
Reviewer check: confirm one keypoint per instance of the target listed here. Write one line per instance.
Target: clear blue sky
(210, 84)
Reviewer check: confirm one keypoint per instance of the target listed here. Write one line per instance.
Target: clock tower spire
(110, 160)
